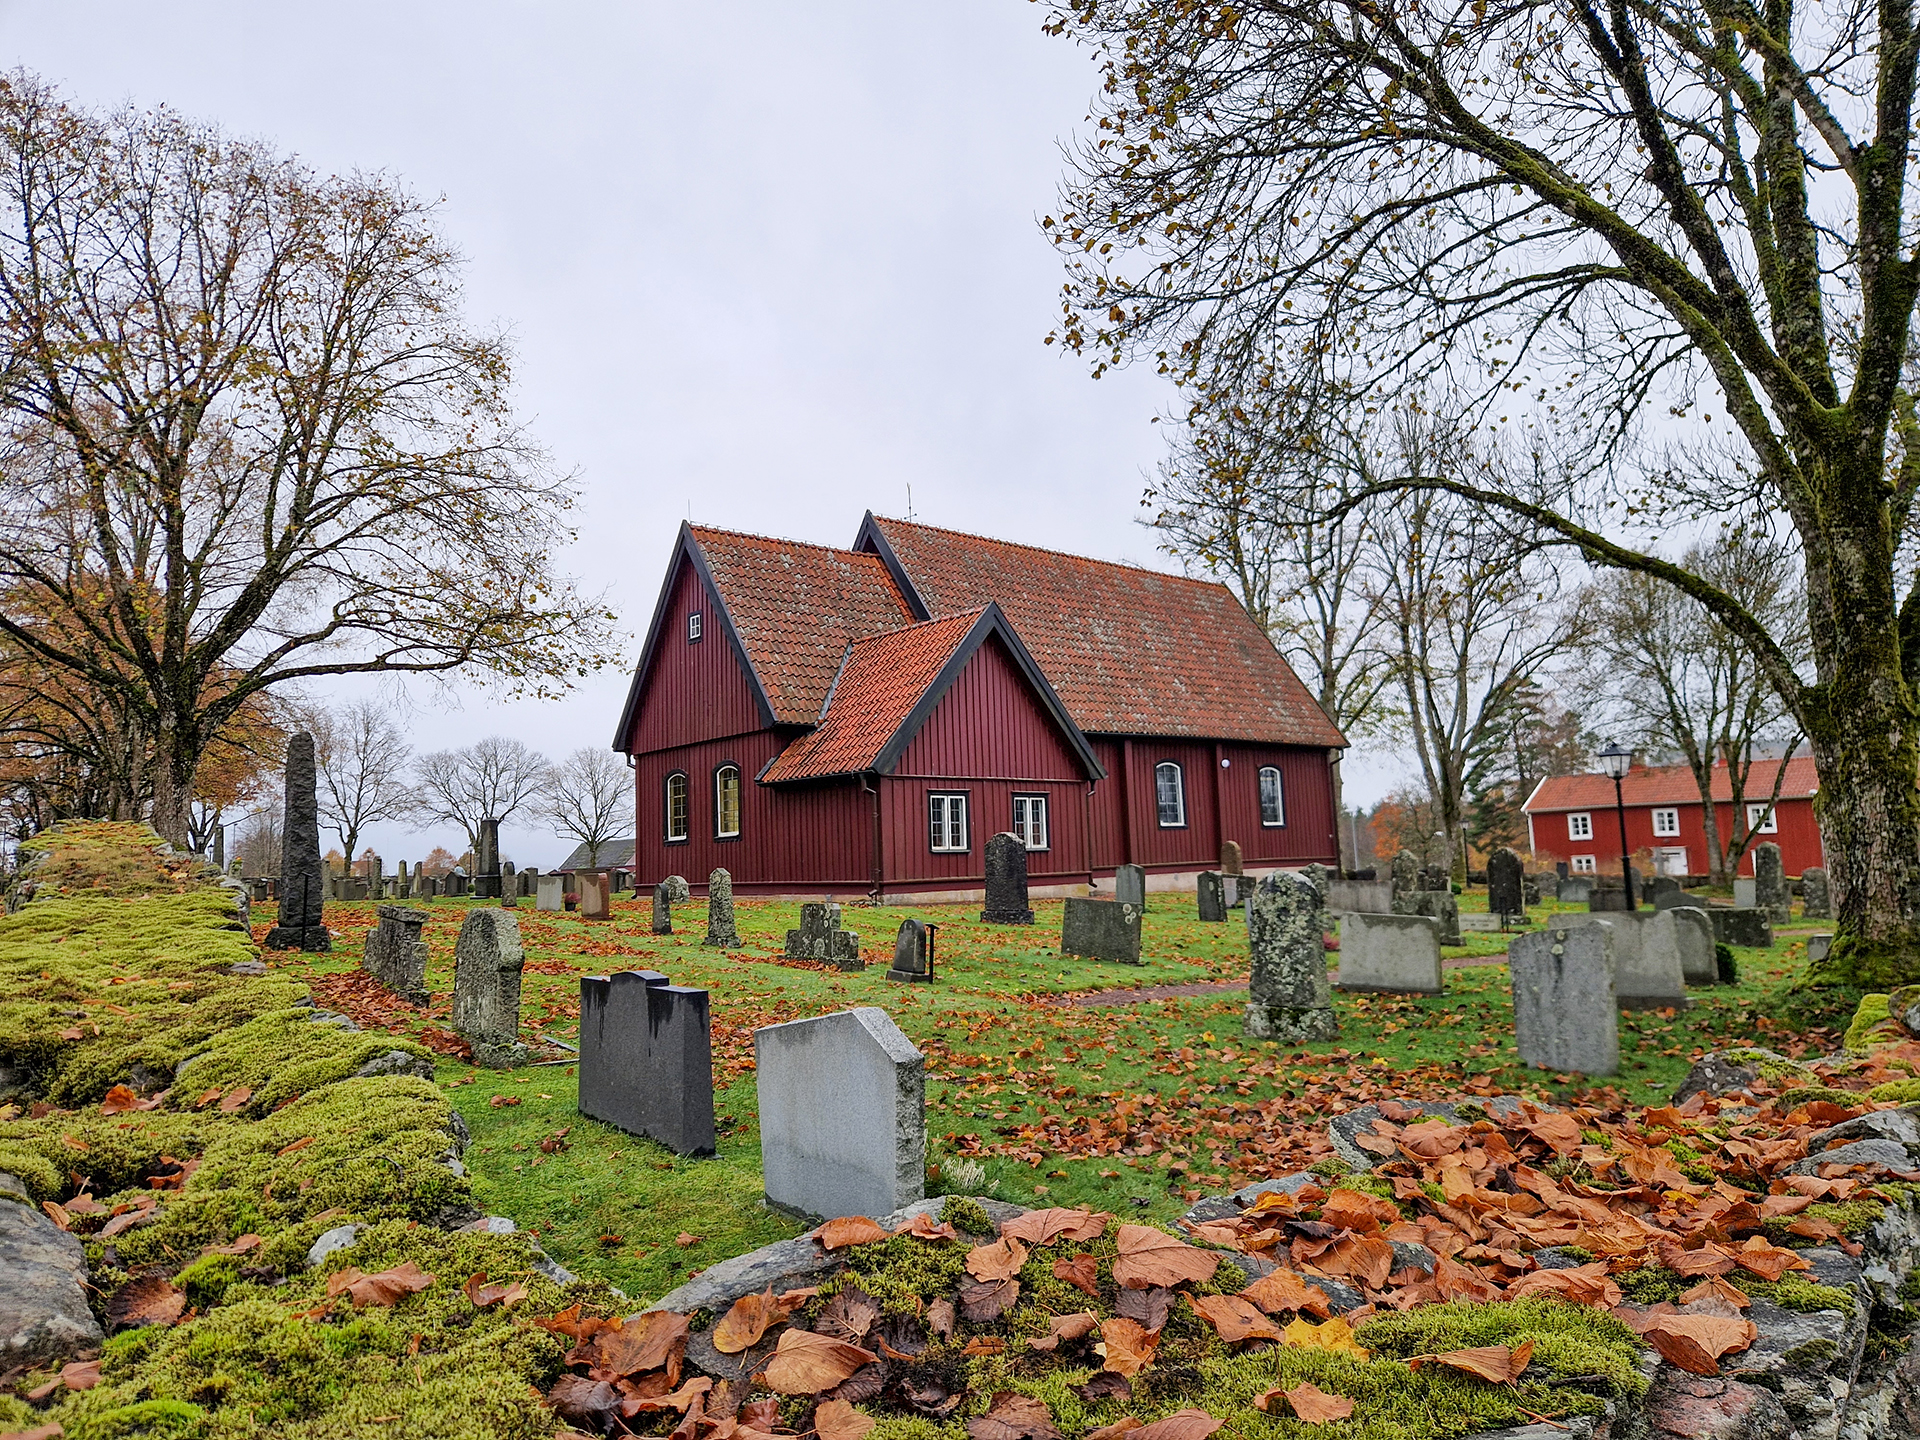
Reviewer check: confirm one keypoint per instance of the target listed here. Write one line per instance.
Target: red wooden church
(861, 721)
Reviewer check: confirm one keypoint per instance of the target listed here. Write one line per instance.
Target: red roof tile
(795, 607)
(1130, 651)
(883, 678)
(1669, 785)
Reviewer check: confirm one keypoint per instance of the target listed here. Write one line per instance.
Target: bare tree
(1567, 215)
(249, 439)
(589, 797)
(361, 754)
(258, 844)
(491, 779)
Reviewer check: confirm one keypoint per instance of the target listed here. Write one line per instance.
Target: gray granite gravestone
(1390, 954)
(720, 927)
(529, 883)
(1770, 883)
(487, 961)
(1574, 890)
(1130, 885)
(646, 1058)
(1442, 906)
(1506, 894)
(1230, 860)
(1564, 1008)
(1321, 878)
(302, 877)
(1289, 999)
(1818, 946)
(1693, 933)
(662, 908)
(395, 955)
(1816, 895)
(1647, 973)
(913, 952)
(1608, 898)
(1006, 902)
(1101, 930)
(551, 893)
(1406, 881)
(1211, 894)
(1746, 893)
(1370, 897)
(1742, 926)
(820, 937)
(402, 882)
(842, 1114)
(1663, 892)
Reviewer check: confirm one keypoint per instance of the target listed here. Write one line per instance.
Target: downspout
(1219, 816)
(879, 853)
(1086, 839)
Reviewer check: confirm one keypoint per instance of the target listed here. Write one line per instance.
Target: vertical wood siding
(1306, 788)
(990, 723)
(911, 860)
(1798, 838)
(693, 692)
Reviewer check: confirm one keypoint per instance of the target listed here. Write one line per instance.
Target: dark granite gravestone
(302, 877)
(487, 961)
(646, 1058)
(1130, 885)
(1741, 927)
(1441, 905)
(1007, 882)
(456, 884)
(1816, 895)
(721, 930)
(1770, 883)
(1663, 892)
(1101, 930)
(913, 952)
(1561, 869)
(486, 861)
(1610, 899)
(1506, 891)
(1289, 999)
(396, 956)
(1212, 895)
(220, 847)
(821, 938)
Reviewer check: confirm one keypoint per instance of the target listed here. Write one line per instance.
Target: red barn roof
(1670, 785)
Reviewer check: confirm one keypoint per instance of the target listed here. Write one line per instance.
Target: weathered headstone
(1564, 1008)
(422, 885)
(486, 860)
(1211, 895)
(1663, 892)
(1390, 954)
(1289, 999)
(1693, 933)
(1647, 973)
(1101, 930)
(1231, 862)
(1130, 886)
(1818, 946)
(302, 877)
(1406, 881)
(1369, 897)
(595, 889)
(551, 894)
(402, 882)
(1608, 898)
(646, 1059)
(1574, 890)
(1435, 877)
(376, 878)
(1006, 902)
(1440, 905)
(1816, 895)
(1742, 926)
(1770, 883)
(529, 882)
(1321, 878)
(1506, 894)
(220, 847)
(456, 884)
(821, 938)
(395, 955)
(1746, 893)
(913, 952)
(842, 1114)
(487, 960)
(720, 927)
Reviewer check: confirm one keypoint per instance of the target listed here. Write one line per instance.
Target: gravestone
(1321, 878)
(1440, 905)
(595, 889)
(486, 860)
(402, 882)
(487, 960)
(842, 1114)
(1231, 862)
(1288, 996)
(220, 847)
(720, 926)
(1130, 886)
(1574, 890)
(1647, 973)
(1693, 933)
(646, 1058)
(1369, 897)
(422, 886)
(1406, 881)
(1007, 882)
(529, 882)
(1506, 895)
(551, 893)
(1664, 892)
(456, 884)
(1101, 930)
(1435, 877)
(1561, 870)
(1606, 898)
(1746, 893)
(1817, 947)
(1770, 883)
(1564, 1008)
(1742, 926)
(395, 955)
(913, 952)
(1210, 892)
(821, 938)
(1390, 954)
(302, 878)
(1479, 924)
(1816, 895)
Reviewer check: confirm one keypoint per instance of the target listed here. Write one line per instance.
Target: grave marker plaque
(1564, 1009)
(595, 889)
(1100, 930)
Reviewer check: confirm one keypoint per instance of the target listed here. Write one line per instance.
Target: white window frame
(1179, 797)
(719, 805)
(696, 627)
(1030, 821)
(1580, 825)
(1279, 796)
(947, 822)
(1756, 825)
(1582, 865)
(686, 808)
(1666, 821)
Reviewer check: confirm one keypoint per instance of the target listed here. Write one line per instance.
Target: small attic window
(694, 628)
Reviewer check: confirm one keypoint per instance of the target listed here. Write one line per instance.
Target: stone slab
(550, 893)
(1574, 890)
(646, 1058)
(1506, 891)
(487, 963)
(1647, 973)
(1288, 999)
(1210, 896)
(1564, 1008)
(1100, 930)
(1371, 897)
(1130, 886)
(1006, 882)
(1440, 905)
(819, 937)
(1743, 925)
(44, 1319)
(1745, 893)
(1390, 954)
(1693, 935)
(395, 955)
(1818, 945)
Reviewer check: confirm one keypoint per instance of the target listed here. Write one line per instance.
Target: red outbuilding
(861, 721)
(1572, 817)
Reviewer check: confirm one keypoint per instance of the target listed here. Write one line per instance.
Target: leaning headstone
(1130, 885)
(1007, 882)
(1288, 996)
(1390, 954)
(395, 955)
(551, 894)
(1564, 1008)
(820, 937)
(487, 960)
(1770, 883)
(1746, 893)
(1574, 890)
(1440, 905)
(1816, 895)
(720, 926)
(1101, 930)
(1506, 894)
(302, 878)
(913, 952)
(842, 1114)
(1230, 860)
(1211, 894)
(1693, 933)
(646, 1058)
(1647, 973)
(1742, 926)
(595, 889)
(486, 861)
(1406, 881)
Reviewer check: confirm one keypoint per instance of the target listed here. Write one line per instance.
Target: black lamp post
(1616, 760)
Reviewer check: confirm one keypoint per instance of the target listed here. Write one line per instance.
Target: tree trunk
(1710, 823)
(1342, 832)
(176, 759)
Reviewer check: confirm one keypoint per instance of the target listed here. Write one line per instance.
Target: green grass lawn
(1039, 1094)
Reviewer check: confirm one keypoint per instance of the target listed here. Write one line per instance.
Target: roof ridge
(782, 540)
(1043, 550)
(974, 614)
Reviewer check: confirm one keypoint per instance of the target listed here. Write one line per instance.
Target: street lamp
(1616, 760)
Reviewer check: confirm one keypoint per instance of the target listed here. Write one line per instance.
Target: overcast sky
(768, 265)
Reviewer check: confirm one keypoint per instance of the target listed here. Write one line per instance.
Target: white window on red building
(1582, 865)
(1666, 822)
(1580, 826)
(1761, 820)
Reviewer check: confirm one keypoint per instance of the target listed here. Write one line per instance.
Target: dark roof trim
(871, 540)
(686, 552)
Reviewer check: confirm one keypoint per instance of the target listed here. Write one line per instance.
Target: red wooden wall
(693, 692)
(990, 723)
(1798, 837)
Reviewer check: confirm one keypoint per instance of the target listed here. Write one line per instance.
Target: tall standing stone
(1816, 896)
(1130, 885)
(1406, 882)
(396, 956)
(303, 878)
(1231, 862)
(1007, 882)
(721, 930)
(1506, 889)
(487, 961)
(1564, 1010)
(1211, 894)
(1289, 999)
(1770, 883)
(486, 861)
(220, 847)
(646, 1058)
(376, 878)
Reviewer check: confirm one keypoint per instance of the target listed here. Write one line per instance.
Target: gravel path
(1101, 999)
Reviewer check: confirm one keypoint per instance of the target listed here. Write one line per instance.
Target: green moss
(1904, 1091)
(1815, 1352)
(284, 1054)
(900, 1271)
(966, 1215)
(1872, 1013)
(1331, 1168)
(1808, 1094)
(1794, 1291)
(1651, 1285)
